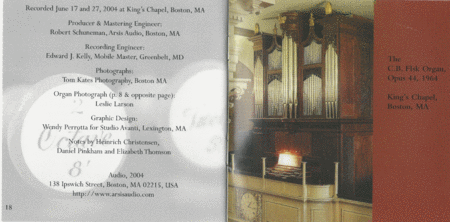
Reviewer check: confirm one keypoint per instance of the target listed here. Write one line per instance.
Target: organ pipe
(275, 99)
(312, 54)
(284, 74)
(289, 73)
(312, 95)
(295, 81)
(258, 86)
(331, 84)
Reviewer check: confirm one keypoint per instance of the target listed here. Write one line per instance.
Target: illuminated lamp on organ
(289, 159)
(287, 168)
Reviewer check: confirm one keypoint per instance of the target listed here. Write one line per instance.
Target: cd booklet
(239, 110)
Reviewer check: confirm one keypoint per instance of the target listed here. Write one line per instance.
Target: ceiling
(362, 8)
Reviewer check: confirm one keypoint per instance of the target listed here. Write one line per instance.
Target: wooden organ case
(313, 96)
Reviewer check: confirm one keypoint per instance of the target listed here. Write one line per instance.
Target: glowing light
(289, 159)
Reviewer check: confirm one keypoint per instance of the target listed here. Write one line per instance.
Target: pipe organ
(319, 58)
(313, 97)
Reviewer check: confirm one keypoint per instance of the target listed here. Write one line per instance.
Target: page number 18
(8, 207)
